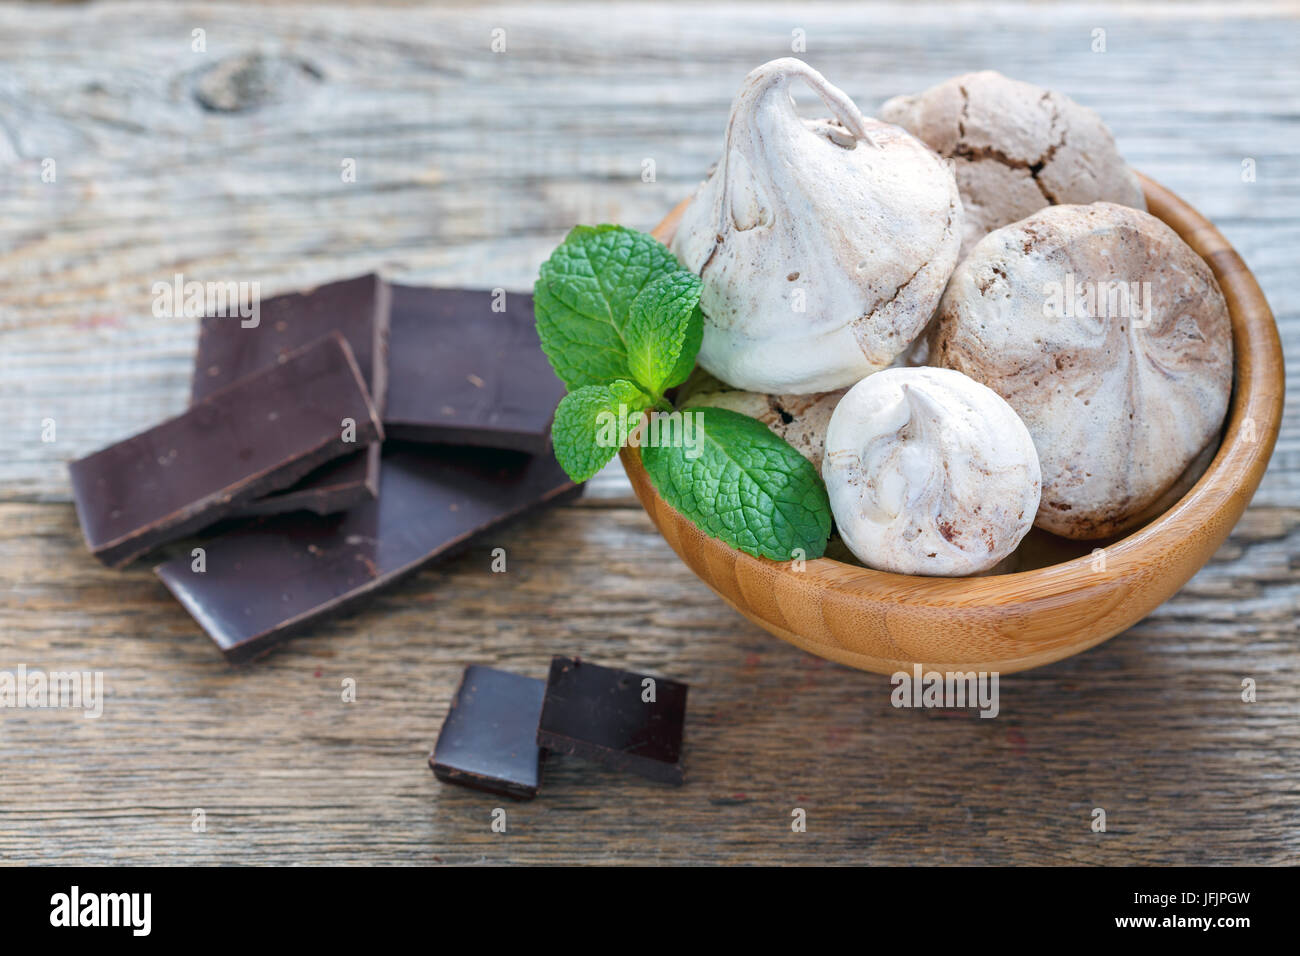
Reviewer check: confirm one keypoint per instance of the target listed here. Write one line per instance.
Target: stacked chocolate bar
(286, 430)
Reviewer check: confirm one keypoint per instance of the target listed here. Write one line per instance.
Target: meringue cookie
(1111, 339)
(929, 472)
(1016, 148)
(799, 419)
(1182, 484)
(823, 246)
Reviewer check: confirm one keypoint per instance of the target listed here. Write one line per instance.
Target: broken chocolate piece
(602, 714)
(493, 385)
(489, 740)
(227, 351)
(335, 486)
(261, 582)
(258, 435)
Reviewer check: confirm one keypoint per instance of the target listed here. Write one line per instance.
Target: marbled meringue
(930, 473)
(823, 246)
(1110, 338)
(1016, 148)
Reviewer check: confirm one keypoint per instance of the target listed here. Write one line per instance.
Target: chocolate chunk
(493, 385)
(356, 308)
(263, 581)
(258, 435)
(600, 713)
(489, 740)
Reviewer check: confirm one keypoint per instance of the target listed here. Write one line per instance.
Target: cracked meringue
(800, 420)
(929, 472)
(1110, 338)
(823, 246)
(1016, 148)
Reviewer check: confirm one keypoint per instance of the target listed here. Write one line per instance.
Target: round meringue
(823, 246)
(1016, 148)
(929, 472)
(1110, 338)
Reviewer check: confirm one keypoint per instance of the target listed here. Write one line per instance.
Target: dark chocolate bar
(462, 374)
(489, 740)
(600, 713)
(260, 434)
(263, 581)
(356, 308)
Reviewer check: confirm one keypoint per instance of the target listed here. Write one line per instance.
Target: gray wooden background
(225, 163)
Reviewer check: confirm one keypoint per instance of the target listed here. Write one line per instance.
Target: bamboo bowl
(884, 622)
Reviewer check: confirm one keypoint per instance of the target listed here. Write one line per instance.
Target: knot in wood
(247, 81)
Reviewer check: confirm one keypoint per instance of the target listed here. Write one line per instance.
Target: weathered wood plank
(1149, 726)
(471, 165)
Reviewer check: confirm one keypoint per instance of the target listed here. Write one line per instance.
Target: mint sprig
(744, 485)
(620, 322)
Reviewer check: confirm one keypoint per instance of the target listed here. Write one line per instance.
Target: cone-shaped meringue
(823, 246)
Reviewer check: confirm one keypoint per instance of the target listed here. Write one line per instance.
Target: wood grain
(471, 166)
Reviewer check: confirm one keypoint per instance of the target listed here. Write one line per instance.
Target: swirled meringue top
(930, 473)
(1110, 338)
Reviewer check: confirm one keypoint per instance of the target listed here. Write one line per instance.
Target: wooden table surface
(471, 165)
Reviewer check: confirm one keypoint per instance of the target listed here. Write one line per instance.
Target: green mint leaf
(690, 349)
(658, 325)
(746, 486)
(582, 297)
(588, 430)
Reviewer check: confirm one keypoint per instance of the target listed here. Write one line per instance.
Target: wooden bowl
(885, 622)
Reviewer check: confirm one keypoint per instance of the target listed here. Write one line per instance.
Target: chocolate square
(489, 740)
(599, 713)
